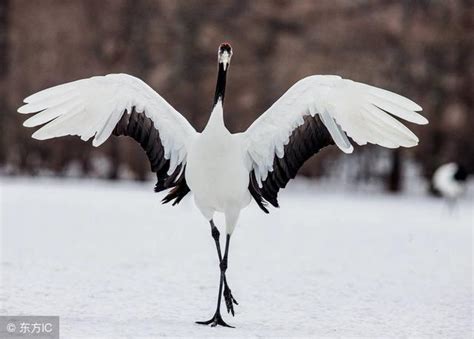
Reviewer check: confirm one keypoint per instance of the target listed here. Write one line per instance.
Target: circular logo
(11, 327)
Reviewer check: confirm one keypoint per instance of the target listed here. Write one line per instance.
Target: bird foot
(214, 321)
(229, 300)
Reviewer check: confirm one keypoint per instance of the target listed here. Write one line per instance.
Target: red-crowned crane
(225, 170)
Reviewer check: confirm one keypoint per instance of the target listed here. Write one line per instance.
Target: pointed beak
(224, 59)
(224, 55)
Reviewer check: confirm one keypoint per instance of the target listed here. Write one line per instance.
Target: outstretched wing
(123, 105)
(315, 112)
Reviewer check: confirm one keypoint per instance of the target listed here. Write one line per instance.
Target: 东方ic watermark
(38, 327)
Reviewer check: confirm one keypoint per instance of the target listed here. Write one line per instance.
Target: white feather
(361, 111)
(92, 108)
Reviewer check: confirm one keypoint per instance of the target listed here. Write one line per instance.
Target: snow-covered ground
(112, 262)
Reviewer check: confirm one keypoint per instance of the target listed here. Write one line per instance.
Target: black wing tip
(170, 197)
(263, 203)
(178, 192)
(166, 200)
(263, 207)
(258, 195)
(159, 188)
(274, 203)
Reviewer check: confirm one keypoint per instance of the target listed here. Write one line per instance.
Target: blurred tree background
(421, 49)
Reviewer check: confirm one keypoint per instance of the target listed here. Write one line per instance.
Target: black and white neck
(223, 58)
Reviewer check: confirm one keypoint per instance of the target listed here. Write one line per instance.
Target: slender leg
(215, 235)
(228, 297)
(217, 318)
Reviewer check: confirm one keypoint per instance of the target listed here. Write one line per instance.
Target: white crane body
(216, 172)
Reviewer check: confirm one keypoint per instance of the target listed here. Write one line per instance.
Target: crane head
(224, 54)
